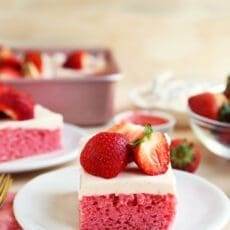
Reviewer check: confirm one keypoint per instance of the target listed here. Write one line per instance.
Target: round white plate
(71, 136)
(50, 202)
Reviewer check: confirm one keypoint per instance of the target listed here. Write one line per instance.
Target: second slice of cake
(26, 129)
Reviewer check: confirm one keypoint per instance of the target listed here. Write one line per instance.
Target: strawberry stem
(147, 134)
(183, 155)
(224, 113)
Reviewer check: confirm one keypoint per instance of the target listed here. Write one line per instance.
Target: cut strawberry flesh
(131, 131)
(16, 105)
(35, 58)
(9, 72)
(152, 155)
(9, 113)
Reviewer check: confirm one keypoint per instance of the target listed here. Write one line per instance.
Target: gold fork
(5, 183)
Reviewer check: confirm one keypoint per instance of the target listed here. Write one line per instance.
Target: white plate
(71, 136)
(50, 202)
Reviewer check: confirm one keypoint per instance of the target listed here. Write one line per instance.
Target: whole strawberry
(184, 155)
(76, 60)
(207, 104)
(34, 57)
(105, 154)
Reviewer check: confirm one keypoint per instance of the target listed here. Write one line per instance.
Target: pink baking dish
(88, 100)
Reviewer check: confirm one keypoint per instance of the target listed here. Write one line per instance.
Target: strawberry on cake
(26, 128)
(117, 195)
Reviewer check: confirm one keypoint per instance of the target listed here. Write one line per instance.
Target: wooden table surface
(189, 37)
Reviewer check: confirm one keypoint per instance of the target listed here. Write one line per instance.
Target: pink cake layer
(19, 143)
(135, 211)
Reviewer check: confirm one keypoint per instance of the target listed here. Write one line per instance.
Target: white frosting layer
(128, 182)
(43, 119)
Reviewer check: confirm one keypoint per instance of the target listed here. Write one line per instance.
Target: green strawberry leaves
(224, 113)
(147, 134)
(183, 155)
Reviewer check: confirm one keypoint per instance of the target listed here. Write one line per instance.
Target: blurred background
(190, 37)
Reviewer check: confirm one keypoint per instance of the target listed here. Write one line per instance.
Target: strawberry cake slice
(117, 195)
(26, 128)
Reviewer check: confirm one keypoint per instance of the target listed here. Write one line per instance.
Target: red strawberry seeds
(105, 154)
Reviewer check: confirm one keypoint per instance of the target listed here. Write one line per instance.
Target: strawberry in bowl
(209, 114)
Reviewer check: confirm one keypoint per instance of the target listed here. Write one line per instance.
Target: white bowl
(166, 127)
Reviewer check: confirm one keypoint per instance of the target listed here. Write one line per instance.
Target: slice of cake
(139, 196)
(26, 129)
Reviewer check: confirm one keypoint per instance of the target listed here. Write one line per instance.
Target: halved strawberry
(16, 105)
(151, 152)
(131, 131)
(184, 155)
(207, 104)
(34, 57)
(9, 72)
(30, 70)
(76, 60)
(10, 62)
